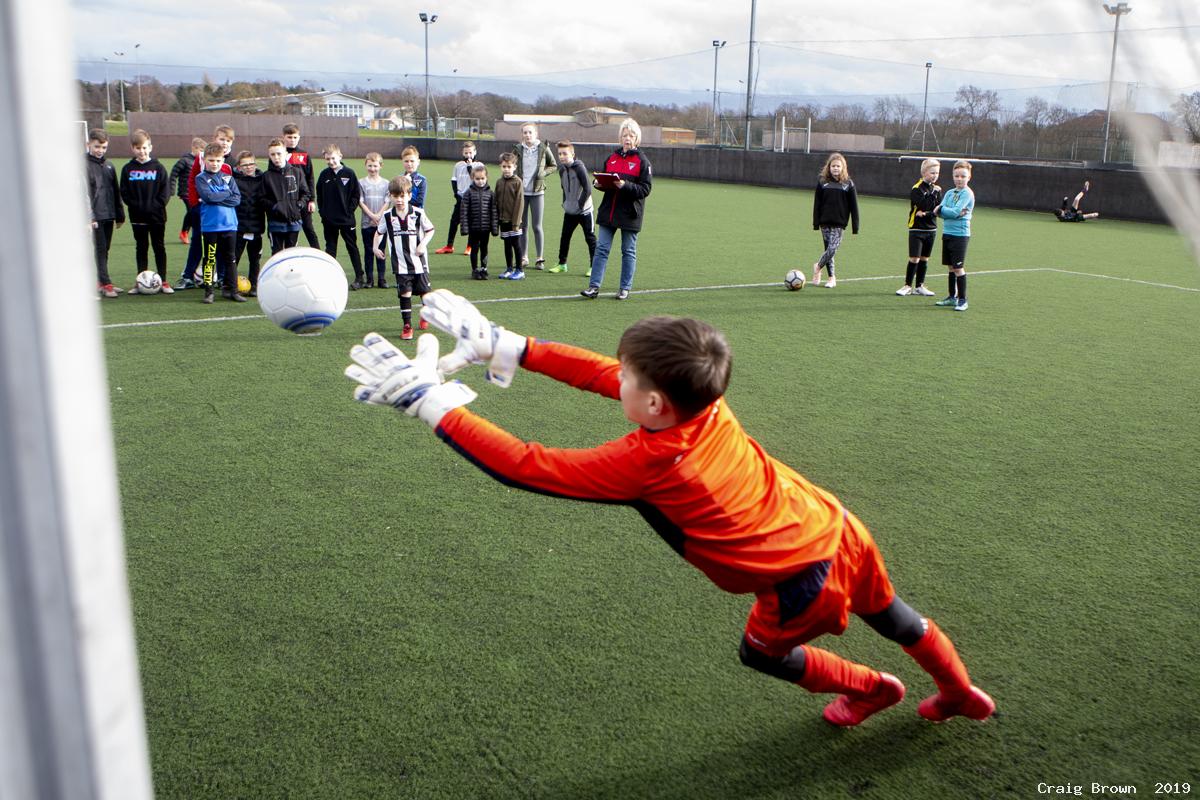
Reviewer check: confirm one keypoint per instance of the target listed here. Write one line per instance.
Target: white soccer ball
(148, 282)
(794, 280)
(302, 290)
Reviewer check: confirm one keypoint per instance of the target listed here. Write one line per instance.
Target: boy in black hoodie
(146, 189)
(104, 199)
(179, 182)
(302, 161)
(251, 215)
(338, 196)
(285, 193)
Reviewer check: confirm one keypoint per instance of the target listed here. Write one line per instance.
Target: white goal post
(71, 719)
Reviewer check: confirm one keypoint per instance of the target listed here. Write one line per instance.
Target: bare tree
(976, 110)
(1187, 113)
(1037, 111)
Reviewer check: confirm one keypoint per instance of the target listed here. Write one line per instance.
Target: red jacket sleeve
(574, 366)
(612, 472)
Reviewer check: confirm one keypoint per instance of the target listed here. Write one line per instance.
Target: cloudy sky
(662, 49)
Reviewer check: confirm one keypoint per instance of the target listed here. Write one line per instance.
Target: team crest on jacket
(345, 181)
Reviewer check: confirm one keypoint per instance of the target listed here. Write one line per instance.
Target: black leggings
(147, 235)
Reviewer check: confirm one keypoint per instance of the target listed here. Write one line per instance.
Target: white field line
(535, 298)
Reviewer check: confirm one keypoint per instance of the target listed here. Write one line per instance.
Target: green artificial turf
(330, 603)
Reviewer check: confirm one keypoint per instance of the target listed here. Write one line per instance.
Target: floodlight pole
(107, 93)
(137, 69)
(121, 81)
(1115, 10)
(427, 19)
(717, 45)
(750, 72)
(925, 106)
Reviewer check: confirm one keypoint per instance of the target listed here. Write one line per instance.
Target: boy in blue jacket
(219, 199)
(956, 208)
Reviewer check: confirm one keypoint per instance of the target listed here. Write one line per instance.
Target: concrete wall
(1121, 194)
(575, 132)
(797, 140)
(172, 133)
(1116, 193)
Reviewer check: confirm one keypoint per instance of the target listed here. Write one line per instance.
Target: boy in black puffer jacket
(480, 220)
(251, 215)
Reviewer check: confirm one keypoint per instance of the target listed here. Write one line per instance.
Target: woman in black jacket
(622, 208)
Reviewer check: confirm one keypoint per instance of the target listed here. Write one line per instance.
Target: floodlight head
(433, 18)
(1117, 9)
(928, 65)
(423, 16)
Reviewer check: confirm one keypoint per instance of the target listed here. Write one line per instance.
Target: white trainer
(905, 290)
(921, 290)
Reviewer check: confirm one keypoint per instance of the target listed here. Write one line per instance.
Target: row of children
(481, 212)
(835, 205)
(231, 205)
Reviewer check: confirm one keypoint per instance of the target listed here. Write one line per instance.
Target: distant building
(394, 118)
(309, 104)
(600, 115)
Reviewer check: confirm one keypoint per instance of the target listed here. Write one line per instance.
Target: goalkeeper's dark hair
(687, 360)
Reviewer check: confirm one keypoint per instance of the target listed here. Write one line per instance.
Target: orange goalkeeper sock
(936, 654)
(825, 672)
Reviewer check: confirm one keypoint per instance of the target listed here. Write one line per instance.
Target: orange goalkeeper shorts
(857, 581)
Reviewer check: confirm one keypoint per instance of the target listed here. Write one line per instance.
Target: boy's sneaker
(423, 325)
(183, 237)
(622, 294)
(208, 296)
(407, 332)
(506, 275)
(356, 285)
(518, 275)
(588, 274)
(444, 251)
(961, 306)
(974, 705)
(921, 290)
(831, 283)
(524, 261)
(185, 283)
(591, 292)
(847, 711)
(558, 268)
(166, 288)
(947, 301)
(905, 290)
(237, 297)
(466, 251)
(381, 285)
(483, 274)
(134, 289)
(108, 290)
(540, 263)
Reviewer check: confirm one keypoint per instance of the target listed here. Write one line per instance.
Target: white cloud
(540, 42)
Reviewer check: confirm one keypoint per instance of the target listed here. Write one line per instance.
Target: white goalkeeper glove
(387, 377)
(478, 341)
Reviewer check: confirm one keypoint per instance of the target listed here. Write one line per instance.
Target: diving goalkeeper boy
(750, 523)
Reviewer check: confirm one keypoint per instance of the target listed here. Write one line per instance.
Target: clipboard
(607, 180)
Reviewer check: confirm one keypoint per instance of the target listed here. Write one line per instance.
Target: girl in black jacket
(834, 205)
(480, 219)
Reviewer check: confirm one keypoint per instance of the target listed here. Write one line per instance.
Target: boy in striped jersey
(410, 231)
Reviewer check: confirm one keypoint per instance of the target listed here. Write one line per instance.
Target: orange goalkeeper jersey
(744, 519)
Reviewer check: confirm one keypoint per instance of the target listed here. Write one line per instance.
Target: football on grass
(148, 282)
(794, 280)
(302, 290)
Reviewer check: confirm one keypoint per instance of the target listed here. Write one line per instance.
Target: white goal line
(717, 287)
